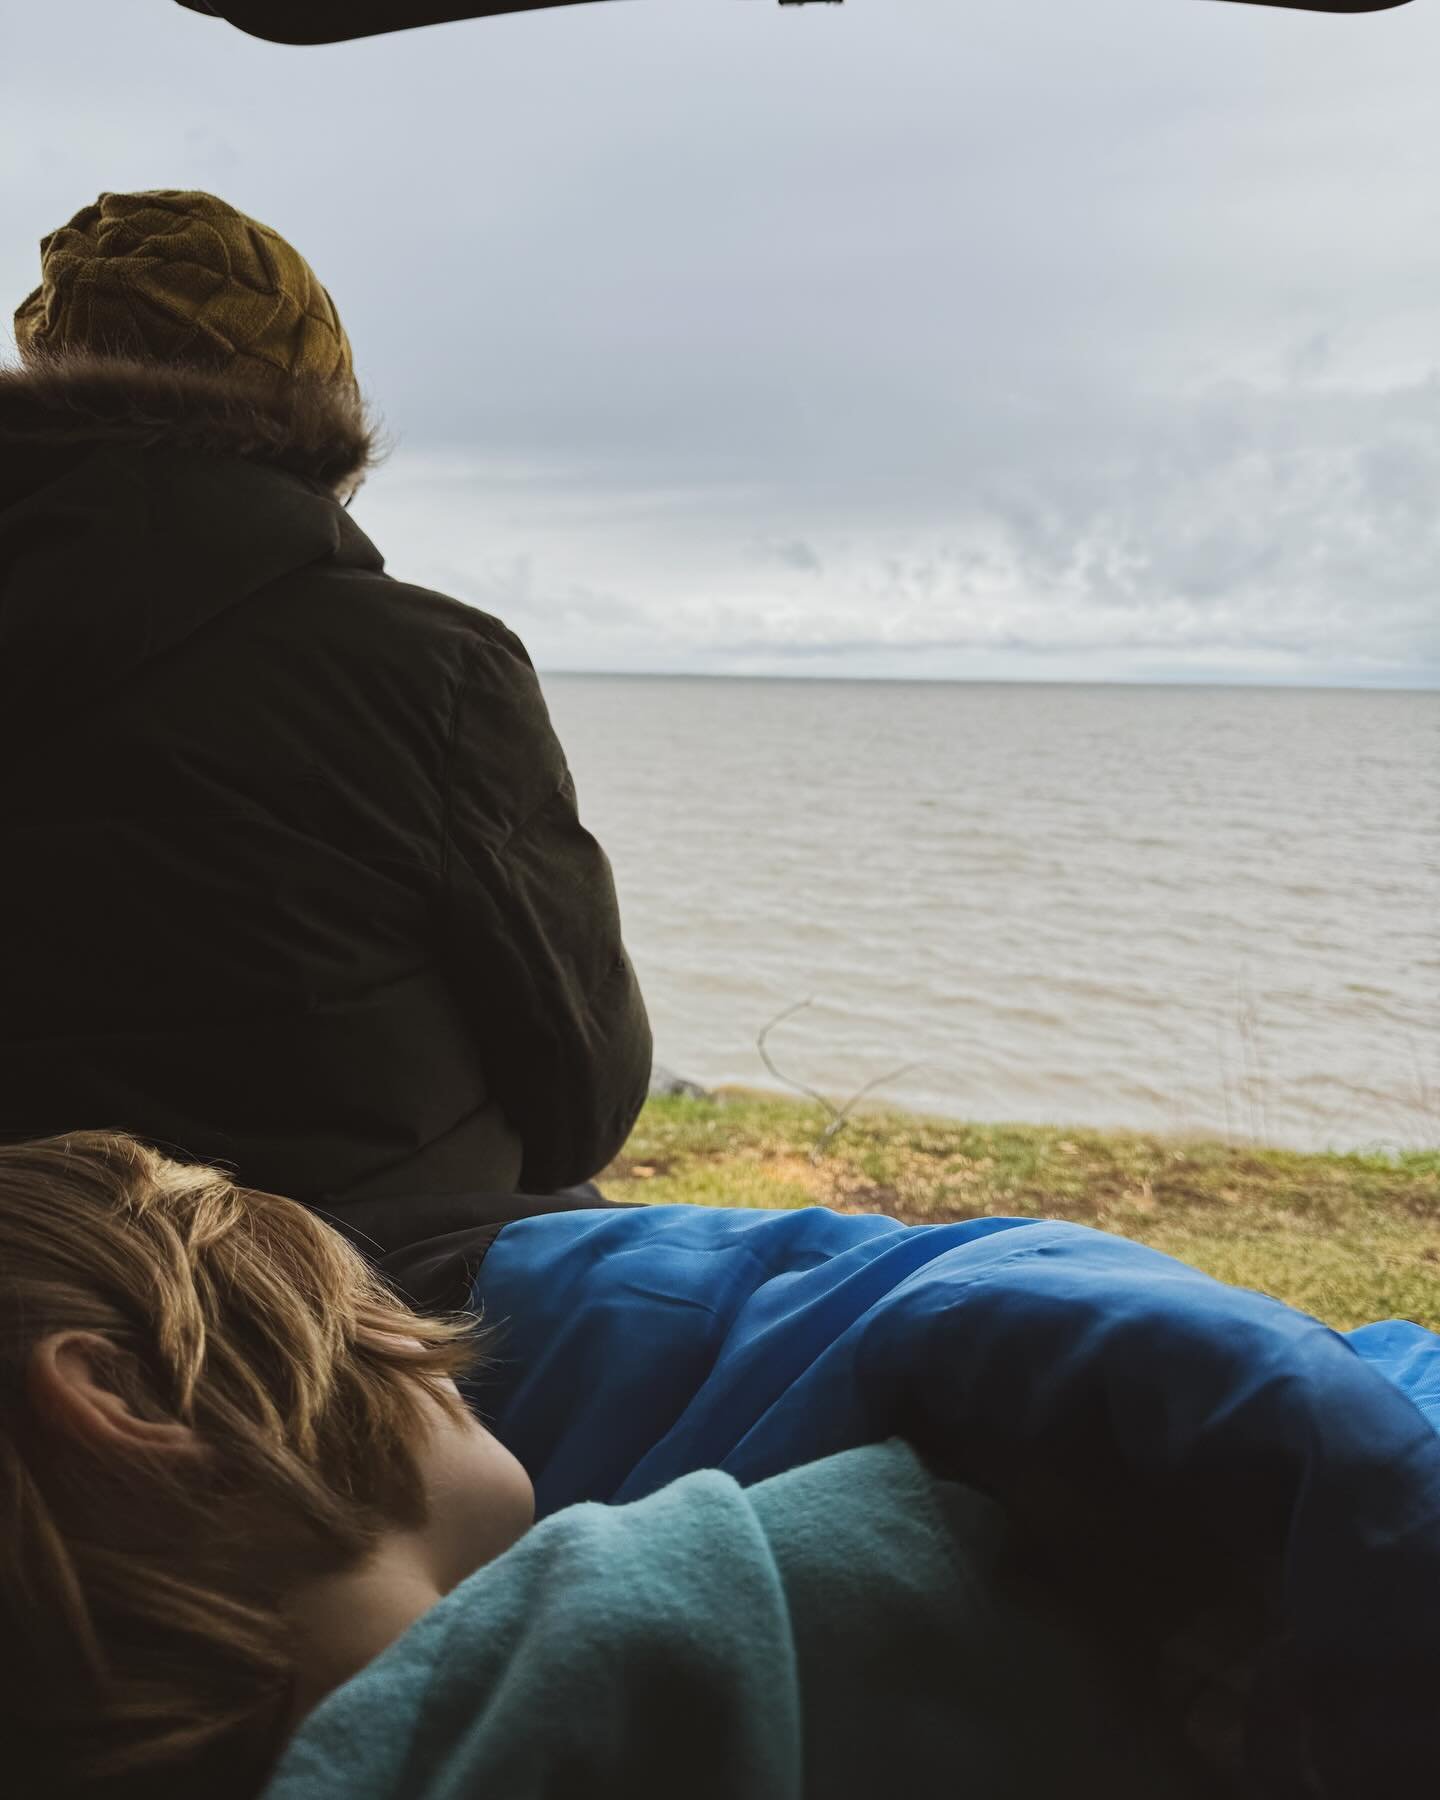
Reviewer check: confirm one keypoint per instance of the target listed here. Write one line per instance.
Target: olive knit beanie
(182, 278)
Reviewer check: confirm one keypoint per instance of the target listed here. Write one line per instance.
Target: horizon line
(1313, 687)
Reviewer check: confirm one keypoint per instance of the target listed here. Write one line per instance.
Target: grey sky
(1037, 338)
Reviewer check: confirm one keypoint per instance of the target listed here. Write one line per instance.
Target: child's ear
(73, 1387)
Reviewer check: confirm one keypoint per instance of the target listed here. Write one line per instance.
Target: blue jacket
(1165, 1432)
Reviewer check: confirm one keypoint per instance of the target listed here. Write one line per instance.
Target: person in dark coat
(294, 880)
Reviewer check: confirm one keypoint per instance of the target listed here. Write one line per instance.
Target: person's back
(295, 880)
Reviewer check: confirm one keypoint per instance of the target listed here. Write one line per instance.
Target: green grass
(1347, 1237)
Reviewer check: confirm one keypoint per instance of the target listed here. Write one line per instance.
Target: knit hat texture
(182, 278)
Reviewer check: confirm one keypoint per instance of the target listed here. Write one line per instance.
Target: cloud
(791, 553)
(1290, 526)
(1085, 340)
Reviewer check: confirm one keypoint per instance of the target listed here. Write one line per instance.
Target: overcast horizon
(556, 669)
(1023, 340)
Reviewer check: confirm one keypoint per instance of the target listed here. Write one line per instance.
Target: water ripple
(1170, 908)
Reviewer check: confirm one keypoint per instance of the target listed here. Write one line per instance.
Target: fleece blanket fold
(854, 1627)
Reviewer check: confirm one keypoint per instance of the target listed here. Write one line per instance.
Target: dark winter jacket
(293, 874)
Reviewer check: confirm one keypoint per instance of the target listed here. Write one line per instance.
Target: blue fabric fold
(1115, 1396)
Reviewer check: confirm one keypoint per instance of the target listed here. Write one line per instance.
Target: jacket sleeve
(532, 928)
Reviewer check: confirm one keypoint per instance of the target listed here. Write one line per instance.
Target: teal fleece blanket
(851, 1627)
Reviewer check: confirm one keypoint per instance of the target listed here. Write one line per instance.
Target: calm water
(1170, 908)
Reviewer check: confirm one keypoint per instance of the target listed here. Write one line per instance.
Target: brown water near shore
(1191, 909)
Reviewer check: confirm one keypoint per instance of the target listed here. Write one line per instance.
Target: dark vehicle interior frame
(332, 21)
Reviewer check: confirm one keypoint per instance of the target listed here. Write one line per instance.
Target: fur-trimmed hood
(140, 504)
(319, 431)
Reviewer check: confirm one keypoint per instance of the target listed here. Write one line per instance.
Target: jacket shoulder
(354, 598)
(390, 645)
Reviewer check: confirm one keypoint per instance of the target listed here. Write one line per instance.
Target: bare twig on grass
(1428, 1097)
(831, 1130)
(765, 1030)
(838, 1114)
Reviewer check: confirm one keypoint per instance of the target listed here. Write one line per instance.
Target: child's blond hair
(143, 1643)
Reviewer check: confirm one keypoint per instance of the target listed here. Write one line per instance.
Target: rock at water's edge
(665, 1084)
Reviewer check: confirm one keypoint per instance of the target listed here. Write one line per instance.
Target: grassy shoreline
(1349, 1237)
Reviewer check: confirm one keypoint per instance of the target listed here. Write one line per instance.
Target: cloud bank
(919, 338)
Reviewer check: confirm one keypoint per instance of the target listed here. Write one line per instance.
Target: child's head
(207, 1401)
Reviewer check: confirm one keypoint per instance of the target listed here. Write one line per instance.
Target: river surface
(1177, 909)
